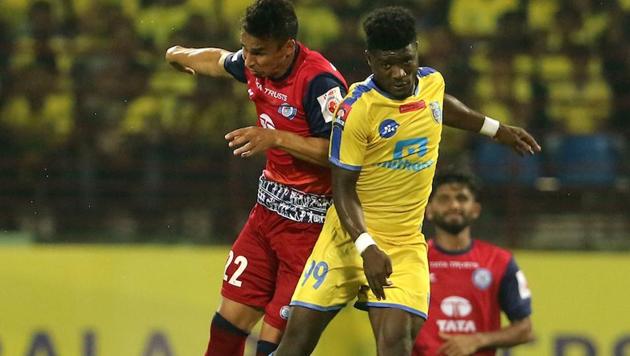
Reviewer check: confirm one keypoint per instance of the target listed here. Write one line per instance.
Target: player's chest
(278, 107)
(412, 130)
(463, 277)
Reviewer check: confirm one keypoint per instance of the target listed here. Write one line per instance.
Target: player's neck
(453, 242)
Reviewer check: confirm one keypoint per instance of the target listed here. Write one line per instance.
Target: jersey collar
(454, 252)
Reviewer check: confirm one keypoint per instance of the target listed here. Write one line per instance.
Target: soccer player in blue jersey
(384, 149)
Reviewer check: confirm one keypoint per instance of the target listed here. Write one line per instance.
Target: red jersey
(303, 101)
(283, 104)
(469, 289)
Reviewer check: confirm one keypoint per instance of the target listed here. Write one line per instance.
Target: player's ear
(289, 47)
(368, 57)
(476, 210)
(429, 212)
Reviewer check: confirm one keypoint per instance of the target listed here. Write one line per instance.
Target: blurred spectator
(581, 102)
(478, 18)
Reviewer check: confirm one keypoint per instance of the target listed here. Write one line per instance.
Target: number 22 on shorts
(317, 270)
(241, 261)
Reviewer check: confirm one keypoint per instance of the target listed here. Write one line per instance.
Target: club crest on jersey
(482, 278)
(287, 111)
(436, 111)
(388, 128)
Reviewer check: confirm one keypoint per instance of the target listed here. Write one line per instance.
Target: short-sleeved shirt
(394, 144)
(303, 101)
(469, 290)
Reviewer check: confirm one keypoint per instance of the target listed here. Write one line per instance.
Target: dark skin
(394, 329)
(395, 73)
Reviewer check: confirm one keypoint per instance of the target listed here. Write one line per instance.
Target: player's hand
(517, 138)
(248, 141)
(377, 267)
(459, 345)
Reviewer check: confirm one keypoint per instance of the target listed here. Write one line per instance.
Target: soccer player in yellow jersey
(384, 151)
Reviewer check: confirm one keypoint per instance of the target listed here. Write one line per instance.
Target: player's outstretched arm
(207, 61)
(248, 141)
(458, 115)
(377, 266)
(517, 333)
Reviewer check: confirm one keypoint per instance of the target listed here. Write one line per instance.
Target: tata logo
(388, 128)
(456, 326)
(456, 307)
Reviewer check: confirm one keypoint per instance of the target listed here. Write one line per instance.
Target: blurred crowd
(98, 133)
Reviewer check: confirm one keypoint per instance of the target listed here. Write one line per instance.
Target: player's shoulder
(357, 94)
(491, 249)
(315, 63)
(428, 73)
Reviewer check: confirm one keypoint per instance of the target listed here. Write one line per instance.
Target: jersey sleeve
(350, 135)
(514, 295)
(235, 65)
(320, 101)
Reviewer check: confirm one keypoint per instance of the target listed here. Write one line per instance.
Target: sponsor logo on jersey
(436, 111)
(456, 326)
(276, 95)
(328, 103)
(482, 278)
(287, 111)
(388, 128)
(456, 307)
(284, 312)
(416, 105)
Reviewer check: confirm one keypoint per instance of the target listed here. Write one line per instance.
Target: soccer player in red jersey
(296, 91)
(472, 281)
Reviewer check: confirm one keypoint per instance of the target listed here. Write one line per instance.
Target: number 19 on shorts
(317, 270)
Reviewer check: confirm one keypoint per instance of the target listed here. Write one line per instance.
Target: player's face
(453, 208)
(395, 71)
(266, 57)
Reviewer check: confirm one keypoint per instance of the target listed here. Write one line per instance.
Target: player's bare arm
(518, 332)
(376, 264)
(458, 115)
(206, 61)
(248, 141)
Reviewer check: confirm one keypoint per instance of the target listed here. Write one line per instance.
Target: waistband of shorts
(291, 203)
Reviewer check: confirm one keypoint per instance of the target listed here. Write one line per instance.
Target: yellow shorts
(333, 275)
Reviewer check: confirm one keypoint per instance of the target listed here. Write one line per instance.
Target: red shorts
(266, 262)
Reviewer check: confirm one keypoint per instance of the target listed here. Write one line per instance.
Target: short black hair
(465, 179)
(389, 28)
(273, 19)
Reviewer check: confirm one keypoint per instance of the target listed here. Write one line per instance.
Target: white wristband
(364, 241)
(490, 127)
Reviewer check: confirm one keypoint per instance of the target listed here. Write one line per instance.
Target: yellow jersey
(394, 144)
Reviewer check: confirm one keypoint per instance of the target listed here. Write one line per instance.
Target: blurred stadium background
(119, 196)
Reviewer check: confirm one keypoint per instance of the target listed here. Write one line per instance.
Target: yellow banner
(150, 301)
